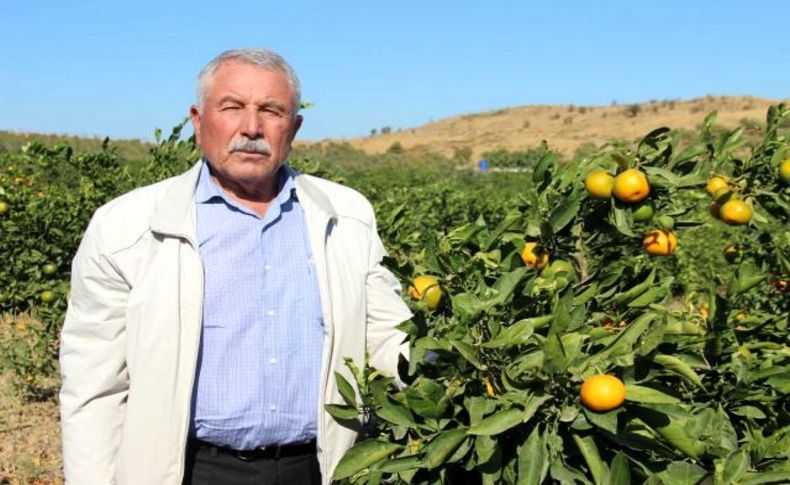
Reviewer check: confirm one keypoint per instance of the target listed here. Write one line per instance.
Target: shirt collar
(208, 188)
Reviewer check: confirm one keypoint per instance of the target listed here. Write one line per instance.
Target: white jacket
(130, 339)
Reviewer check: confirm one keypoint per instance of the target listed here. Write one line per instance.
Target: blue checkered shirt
(258, 370)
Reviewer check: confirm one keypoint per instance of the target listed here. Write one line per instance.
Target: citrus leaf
(468, 352)
(555, 361)
(485, 447)
(532, 460)
(759, 478)
(589, 451)
(735, 466)
(620, 473)
(498, 422)
(506, 284)
(362, 456)
(746, 277)
(395, 413)
(636, 290)
(682, 473)
(650, 296)
(516, 334)
(606, 421)
(340, 411)
(564, 213)
(400, 464)
(621, 220)
(677, 366)
(346, 390)
(672, 430)
(533, 404)
(440, 448)
(636, 393)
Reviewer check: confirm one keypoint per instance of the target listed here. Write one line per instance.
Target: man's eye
(230, 108)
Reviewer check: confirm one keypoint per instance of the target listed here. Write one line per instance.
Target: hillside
(566, 128)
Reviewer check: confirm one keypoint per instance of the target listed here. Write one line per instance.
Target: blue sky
(121, 69)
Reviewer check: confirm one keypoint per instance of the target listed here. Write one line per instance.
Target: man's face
(244, 107)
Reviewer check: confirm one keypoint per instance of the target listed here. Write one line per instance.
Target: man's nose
(251, 125)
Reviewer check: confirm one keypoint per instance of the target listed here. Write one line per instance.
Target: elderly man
(209, 312)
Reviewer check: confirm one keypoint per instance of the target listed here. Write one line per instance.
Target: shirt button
(273, 360)
(272, 408)
(270, 313)
(267, 267)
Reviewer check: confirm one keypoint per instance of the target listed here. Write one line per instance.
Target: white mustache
(258, 145)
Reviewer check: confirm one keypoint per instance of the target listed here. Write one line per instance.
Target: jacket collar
(175, 214)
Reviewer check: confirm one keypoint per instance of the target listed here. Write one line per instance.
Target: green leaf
(468, 352)
(650, 296)
(506, 284)
(606, 421)
(636, 290)
(485, 447)
(467, 306)
(759, 478)
(423, 396)
(564, 213)
(400, 464)
(477, 407)
(735, 467)
(589, 451)
(621, 220)
(623, 344)
(620, 473)
(555, 361)
(516, 334)
(441, 447)
(362, 456)
(672, 430)
(340, 411)
(746, 277)
(682, 473)
(564, 474)
(780, 382)
(749, 412)
(346, 390)
(533, 404)
(498, 422)
(395, 413)
(656, 173)
(636, 393)
(532, 460)
(677, 366)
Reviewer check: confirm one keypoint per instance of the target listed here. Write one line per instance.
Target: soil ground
(29, 439)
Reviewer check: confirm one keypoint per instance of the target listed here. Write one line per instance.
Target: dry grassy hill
(565, 128)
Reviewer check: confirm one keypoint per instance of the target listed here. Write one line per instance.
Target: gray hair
(263, 58)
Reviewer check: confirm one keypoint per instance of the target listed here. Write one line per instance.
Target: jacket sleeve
(93, 365)
(385, 310)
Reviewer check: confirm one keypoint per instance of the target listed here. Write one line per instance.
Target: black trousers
(206, 468)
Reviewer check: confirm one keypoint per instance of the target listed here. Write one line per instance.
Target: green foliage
(519, 159)
(494, 374)
(51, 193)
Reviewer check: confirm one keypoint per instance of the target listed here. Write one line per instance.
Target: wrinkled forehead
(235, 72)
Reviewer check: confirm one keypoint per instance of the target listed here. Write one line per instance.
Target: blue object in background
(483, 165)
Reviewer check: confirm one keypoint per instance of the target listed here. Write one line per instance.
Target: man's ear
(297, 124)
(194, 114)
